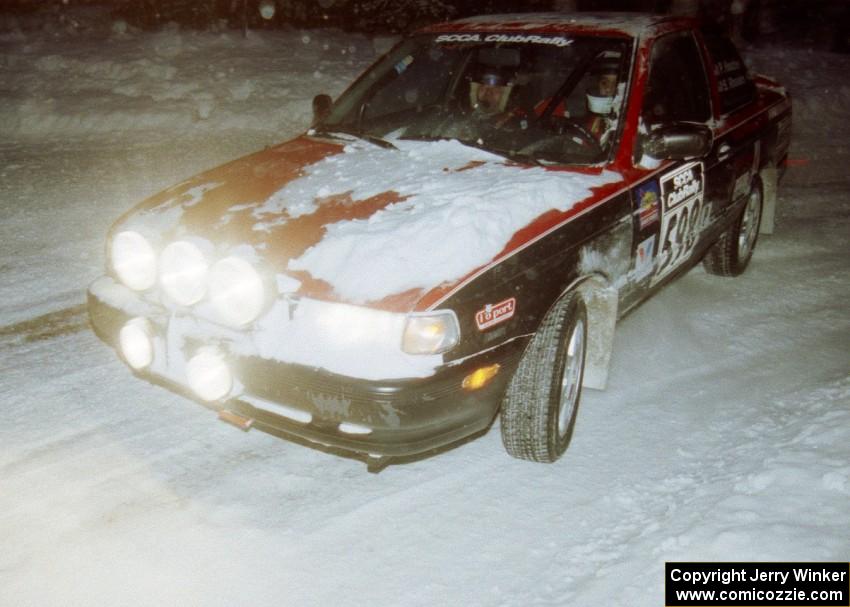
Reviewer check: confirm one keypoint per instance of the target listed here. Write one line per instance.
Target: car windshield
(544, 98)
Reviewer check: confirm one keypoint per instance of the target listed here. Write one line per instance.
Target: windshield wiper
(529, 158)
(506, 154)
(336, 131)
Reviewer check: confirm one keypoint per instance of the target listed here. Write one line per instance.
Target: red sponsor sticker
(493, 314)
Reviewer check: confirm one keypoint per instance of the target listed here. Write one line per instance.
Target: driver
(489, 90)
(601, 97)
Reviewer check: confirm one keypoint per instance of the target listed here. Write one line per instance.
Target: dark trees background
(815, 21)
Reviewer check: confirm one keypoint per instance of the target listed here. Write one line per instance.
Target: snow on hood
(460, 207)
(366, 223)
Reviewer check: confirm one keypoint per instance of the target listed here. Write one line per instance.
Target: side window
(677, 89)
(733, 83)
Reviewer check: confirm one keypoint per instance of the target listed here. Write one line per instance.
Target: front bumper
(387, 418)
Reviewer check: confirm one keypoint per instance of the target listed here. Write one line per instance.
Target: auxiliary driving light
(136, 343)
(236, 291)
(208, 375)
(133, 260)
(183, 272)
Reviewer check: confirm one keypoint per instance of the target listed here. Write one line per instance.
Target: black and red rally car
(455, 236)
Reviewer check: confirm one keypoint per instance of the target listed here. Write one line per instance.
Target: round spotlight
(133, 260)
(208, 375)
(237, 292)
(136, 343)
(183, 272)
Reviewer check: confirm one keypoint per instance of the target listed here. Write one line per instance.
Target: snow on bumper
(347, 340)
(396, 416)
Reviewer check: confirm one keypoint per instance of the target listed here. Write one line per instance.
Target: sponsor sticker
(644, 256)
(493, 314)
(684, 216)
(648, 203)
(505, 38)
(682, 186)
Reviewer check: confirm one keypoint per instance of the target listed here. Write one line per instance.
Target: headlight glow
(208, 375)
(135, 343)
(237, 291)
(183, 272)
(133, 260)
(431, 333)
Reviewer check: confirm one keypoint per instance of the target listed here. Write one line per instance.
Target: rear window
(733, 82)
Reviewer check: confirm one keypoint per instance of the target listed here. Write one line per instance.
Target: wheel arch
(600, 299)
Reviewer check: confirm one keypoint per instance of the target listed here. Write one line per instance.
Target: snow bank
(170, 81)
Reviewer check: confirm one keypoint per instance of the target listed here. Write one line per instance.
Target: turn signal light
(480, 377)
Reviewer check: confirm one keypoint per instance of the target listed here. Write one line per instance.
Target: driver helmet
(489, 89)
(492, 76)
(605, 72)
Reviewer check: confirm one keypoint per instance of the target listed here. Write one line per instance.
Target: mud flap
(769, 183)
(601, 304)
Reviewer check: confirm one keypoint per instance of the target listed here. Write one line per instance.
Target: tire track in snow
(66, 321)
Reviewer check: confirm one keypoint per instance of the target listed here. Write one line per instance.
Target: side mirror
(680, 141)
(321, 107)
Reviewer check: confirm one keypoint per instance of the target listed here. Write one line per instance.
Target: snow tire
(731, 254)
(539, 407)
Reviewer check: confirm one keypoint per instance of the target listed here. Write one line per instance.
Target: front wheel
(731, 253)
(540, 404)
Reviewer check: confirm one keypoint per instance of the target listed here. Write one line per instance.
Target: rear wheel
(731, 253)
(540, 405)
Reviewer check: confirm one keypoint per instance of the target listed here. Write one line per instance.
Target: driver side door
(678, 205)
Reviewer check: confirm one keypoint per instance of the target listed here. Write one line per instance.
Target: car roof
(637, 25)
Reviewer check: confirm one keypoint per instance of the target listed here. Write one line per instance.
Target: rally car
(456, 235)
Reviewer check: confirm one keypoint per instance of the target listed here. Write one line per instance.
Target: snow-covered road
(724, 434)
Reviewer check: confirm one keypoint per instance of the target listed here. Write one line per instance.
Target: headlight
(135, 342)
(183, 272)
(431, 333)
(237, 292)
(208, 375)
(133, 260)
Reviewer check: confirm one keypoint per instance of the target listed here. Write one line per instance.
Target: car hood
(354, 222)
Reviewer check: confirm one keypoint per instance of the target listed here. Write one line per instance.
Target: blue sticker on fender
(648, 201)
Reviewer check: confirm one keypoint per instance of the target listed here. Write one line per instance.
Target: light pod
(237, 292)
(183, 272)
(133, 260)
(208, 375)
(136, 343)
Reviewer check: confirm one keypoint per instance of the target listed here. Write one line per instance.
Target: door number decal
(683, 218)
